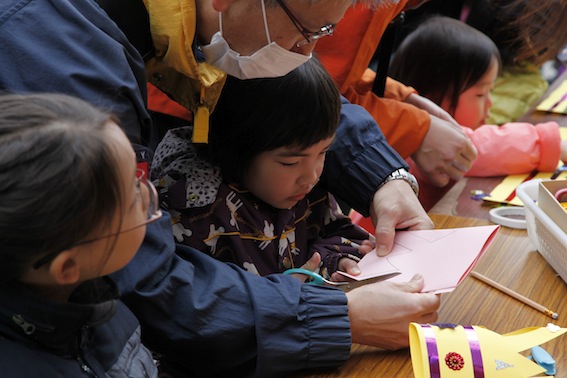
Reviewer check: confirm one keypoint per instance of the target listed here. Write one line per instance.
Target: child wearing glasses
(456, 66)
(73, 209)
(255, 200)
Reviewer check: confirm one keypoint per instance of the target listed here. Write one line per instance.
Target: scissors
(316, 279)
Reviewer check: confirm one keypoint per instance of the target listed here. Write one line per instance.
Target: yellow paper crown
(450, 350)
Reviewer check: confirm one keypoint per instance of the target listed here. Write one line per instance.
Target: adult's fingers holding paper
(395, 206)
(380, 313)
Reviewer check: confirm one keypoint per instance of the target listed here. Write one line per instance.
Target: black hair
(258, 115)
(442, 58)
(58, 177)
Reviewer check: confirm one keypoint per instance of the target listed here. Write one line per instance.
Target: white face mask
(271, 60)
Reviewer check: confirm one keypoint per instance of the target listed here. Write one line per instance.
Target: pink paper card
(444, 257)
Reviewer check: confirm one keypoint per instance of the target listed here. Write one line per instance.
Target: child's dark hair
(58, 177)
(258, 115)
(442, 58)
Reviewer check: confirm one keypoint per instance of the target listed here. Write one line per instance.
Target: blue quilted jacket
(96, 337)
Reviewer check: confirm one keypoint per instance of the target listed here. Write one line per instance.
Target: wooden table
(512, 261)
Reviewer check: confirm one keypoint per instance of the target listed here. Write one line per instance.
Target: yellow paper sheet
(556, 102)
(432, 346)
(506, 189)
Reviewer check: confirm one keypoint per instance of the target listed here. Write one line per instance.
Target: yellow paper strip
(552, 102)
(503, 190)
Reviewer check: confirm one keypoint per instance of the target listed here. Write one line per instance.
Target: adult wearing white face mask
(208, 317)
(271, 60)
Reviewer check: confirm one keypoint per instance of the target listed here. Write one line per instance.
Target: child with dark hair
(456, 66)
(442, 59)
(262, 208)
(72, 210)
(528, 34)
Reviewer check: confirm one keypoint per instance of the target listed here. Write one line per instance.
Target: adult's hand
(395, 206)
(431, 108)
(380, 313)
(445, 153)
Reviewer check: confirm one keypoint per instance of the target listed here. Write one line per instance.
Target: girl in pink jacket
(455, 66)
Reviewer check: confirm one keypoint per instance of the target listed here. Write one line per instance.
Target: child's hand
(312, 264)
(367, 246)
(346, 265)
(564, 151)
(351, 266)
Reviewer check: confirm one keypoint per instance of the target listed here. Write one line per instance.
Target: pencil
(515, 295)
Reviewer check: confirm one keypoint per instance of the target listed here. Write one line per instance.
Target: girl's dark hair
(442, 58)
(58, 177)
(258, 115)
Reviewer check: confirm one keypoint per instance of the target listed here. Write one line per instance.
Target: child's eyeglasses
(153, 213)
(153, 210)
(309, 36)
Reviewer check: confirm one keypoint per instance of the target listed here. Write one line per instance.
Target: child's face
(474, 104)
(282, 177)
(114, 252)
(108, 248)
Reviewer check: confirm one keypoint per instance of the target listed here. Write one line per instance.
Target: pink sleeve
(515, 148)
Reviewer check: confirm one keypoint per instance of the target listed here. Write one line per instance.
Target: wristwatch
(402, 174)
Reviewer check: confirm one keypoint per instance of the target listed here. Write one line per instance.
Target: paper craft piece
(443, 257)
(505, 192)
(556, 102)
(451, 350)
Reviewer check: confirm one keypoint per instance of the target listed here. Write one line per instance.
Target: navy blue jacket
(95, 335)
(210, 318)
(73, 47)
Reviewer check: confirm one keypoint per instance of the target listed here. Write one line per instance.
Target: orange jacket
(347, 54)
(158, 101)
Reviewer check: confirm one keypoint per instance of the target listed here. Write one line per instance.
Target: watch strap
(402, 174)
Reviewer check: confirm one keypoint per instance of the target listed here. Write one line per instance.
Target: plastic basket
(545, 235)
